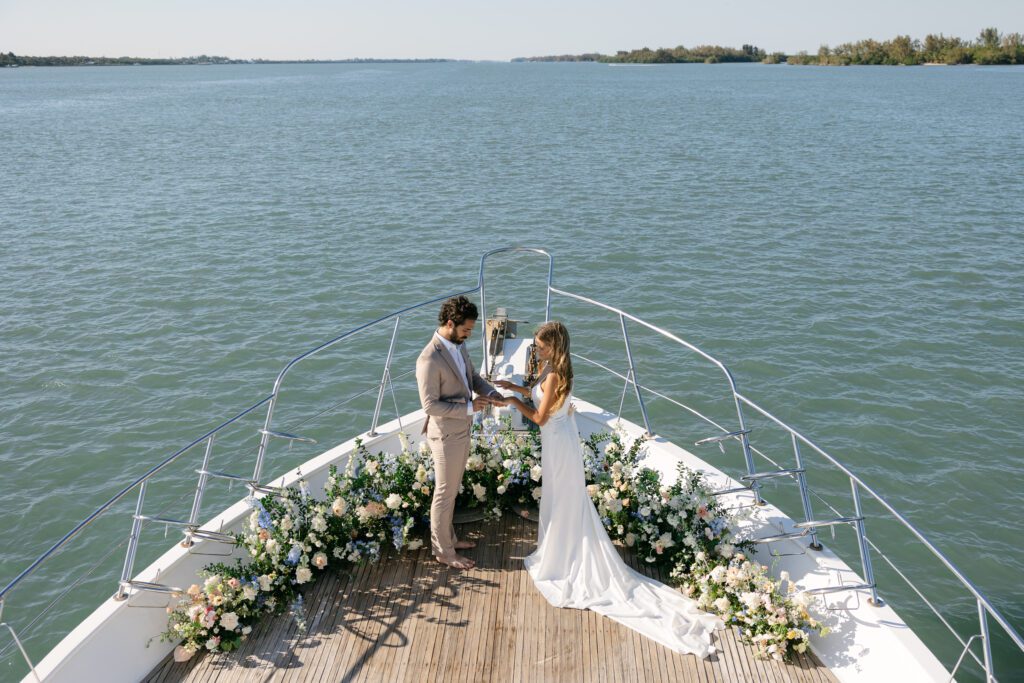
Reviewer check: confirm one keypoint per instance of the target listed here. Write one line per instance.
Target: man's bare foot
(464, 545)
(458, 562)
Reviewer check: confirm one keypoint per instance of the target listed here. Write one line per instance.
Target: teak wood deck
(408, 618)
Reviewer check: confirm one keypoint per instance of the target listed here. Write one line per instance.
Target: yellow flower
(792, 634)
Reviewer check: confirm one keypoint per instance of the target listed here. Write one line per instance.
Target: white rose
(229, 620)
(249, 592)
(501, 490)
(303, 574)
(537, 493)
(535, 472)
(751, 600)
(726, 550)
(371, 466)
(286, 523)
(479, 491)
(394, 501)
(265, 583)
(722, 604)
(319, 524)
(320, 560)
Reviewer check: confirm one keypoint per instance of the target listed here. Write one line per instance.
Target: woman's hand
(511, 386)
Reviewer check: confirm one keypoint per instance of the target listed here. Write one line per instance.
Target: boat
(407, 617)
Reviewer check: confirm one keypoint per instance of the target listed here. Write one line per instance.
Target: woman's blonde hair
(556, 336)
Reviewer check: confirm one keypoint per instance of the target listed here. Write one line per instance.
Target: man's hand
(481, 402)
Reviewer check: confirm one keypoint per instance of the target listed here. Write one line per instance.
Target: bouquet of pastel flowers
(216, 615)
(776, 623)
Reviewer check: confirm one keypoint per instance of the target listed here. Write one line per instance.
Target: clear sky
(471, 29)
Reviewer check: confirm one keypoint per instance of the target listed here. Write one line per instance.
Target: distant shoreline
(990, 48)
(11, 60)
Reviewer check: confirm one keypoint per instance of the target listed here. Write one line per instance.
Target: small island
(990, 47)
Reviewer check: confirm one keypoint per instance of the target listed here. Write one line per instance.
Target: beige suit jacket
(443, 394)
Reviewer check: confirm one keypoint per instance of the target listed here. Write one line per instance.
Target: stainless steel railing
(753, 478)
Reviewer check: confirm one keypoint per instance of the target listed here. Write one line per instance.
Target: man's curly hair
(458, 309)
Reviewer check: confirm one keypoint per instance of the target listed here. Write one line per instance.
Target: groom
(447, 381)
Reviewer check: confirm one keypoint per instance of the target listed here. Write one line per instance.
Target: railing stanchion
(261, 452)
(551, 273)
(133, 545)
(385, 378)
(632, 373)
(986, 644)
(193, 516)
(17, 641)
(862, 544)
(805, 497)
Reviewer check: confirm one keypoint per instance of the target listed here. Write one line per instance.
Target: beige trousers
(450, 452)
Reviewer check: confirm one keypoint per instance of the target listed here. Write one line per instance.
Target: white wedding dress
(576, 565)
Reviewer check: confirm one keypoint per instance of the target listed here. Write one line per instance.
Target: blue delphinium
(397, 531)
(263, 518)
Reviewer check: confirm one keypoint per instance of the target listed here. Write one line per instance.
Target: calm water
(848, 240)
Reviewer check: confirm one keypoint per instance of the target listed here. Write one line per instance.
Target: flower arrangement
(216, 615)
(776, 623)
(503, 468)
(384, 499)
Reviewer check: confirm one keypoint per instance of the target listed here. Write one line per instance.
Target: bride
(575, 564)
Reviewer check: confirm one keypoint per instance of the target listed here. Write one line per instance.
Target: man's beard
(455, 338)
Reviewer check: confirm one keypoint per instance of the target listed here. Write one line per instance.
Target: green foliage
(991, 47)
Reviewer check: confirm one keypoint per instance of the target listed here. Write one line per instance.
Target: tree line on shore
(990, 47)
(709, 54)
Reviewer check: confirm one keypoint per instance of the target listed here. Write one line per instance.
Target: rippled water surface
(848, 241)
